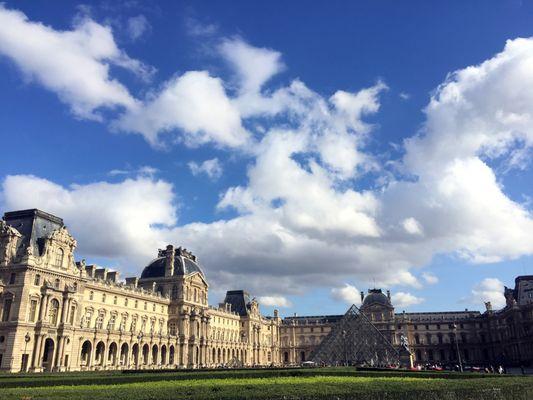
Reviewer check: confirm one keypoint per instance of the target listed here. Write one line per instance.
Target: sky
(303, 151)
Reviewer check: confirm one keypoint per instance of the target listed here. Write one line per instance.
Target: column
(57, 352)
(36, 350)
(63, 312)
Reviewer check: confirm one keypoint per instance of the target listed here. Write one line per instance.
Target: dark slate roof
(239, 300)
(182, 266)
(376, 296)
(34, 225)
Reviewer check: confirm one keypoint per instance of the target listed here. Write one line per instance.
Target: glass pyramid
(354, 340)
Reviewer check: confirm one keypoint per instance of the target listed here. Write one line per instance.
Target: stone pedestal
(406, 359)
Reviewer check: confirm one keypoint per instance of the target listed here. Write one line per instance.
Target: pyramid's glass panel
(355, 341)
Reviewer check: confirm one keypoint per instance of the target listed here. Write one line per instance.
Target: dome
(184, 264)
(376, 296)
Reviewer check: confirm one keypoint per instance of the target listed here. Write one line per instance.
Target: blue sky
(304, 151)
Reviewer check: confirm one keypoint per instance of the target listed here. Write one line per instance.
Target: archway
(302, 356)
(154, 354)
(219, 357)
(135, 354)
(112, 353)
(124, 354)
(146, 351)
(171, 355)
(85, 357)
(48, 354)
(163, 355)
(100, 354)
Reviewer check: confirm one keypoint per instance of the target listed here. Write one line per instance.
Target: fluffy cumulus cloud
(403, 299)
(74, 64)
(489, 289)
(302, 217)
(211, 168)
(109, 220)
(348, 294)
(195, 103)
(275, 301)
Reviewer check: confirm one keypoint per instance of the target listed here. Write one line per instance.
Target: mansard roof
(34, 225)
(239, 300)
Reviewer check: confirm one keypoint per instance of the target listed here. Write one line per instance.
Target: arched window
(53, 312)
(417, 339)
(57, 283)
(60, 254)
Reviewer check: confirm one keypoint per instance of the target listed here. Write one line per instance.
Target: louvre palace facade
(57, 314)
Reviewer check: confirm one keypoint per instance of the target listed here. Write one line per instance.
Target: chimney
(362, 296)
(388, 294)
(169, 263)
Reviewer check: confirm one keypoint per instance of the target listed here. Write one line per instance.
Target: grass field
(327, 383)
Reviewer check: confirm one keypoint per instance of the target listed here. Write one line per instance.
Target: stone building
(57, 314)
(491, 338)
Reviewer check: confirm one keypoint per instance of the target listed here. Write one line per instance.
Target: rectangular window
(99, 321)
(12, 278)
(6, 310)
(37, 281)
(33, 310)
(72, 315)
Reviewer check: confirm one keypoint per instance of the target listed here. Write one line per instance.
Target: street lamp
(457, 347)
(27, 338)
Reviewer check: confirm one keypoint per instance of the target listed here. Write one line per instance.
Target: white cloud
(404, 96)
(429, 278)
(195, 103)
(303, 219)
(489, 289)
(254, 65)
(137, 27)
(113, 220)
(403, 299)
(145, 171)
(347, 294)
(412, 226)
(74, 64)
(274, 301)
(212, 168)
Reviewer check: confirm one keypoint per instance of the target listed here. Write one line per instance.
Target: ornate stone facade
(60, 315)
(503, 337)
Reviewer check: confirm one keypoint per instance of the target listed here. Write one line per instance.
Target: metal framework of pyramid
(354, 340)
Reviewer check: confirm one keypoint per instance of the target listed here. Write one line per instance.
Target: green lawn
(312, 384)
